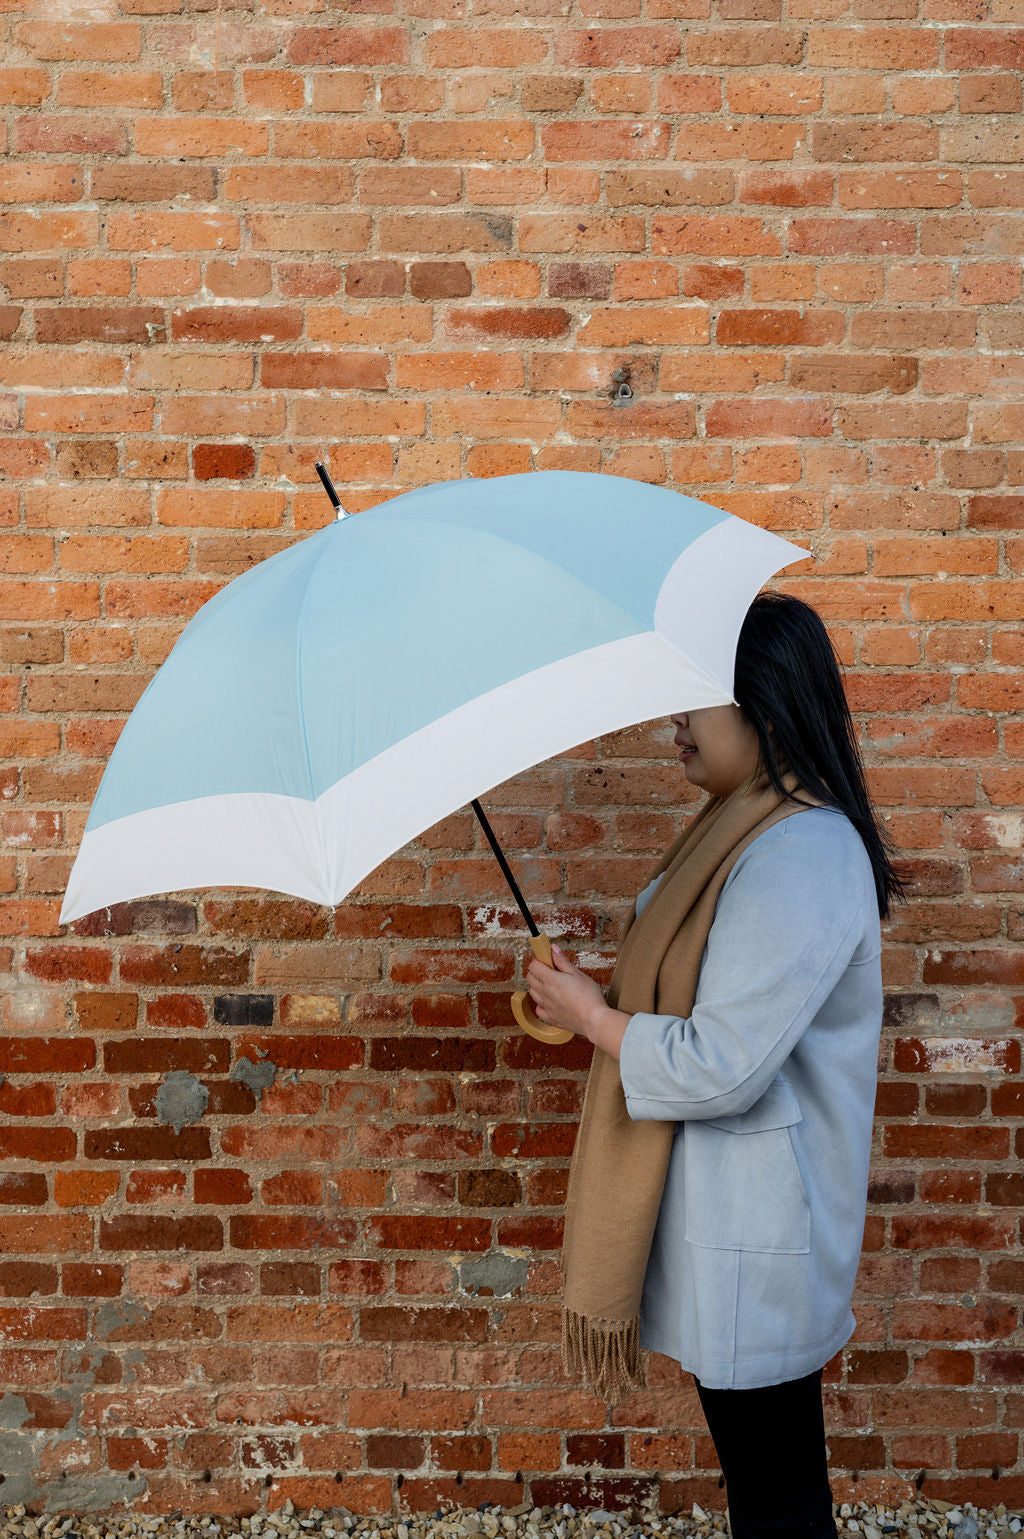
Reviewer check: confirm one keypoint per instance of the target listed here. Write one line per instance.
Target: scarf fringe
(605, 1352)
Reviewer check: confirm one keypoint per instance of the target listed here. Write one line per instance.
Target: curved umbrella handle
(524, 1012)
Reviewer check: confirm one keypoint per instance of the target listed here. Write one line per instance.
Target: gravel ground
(913, 1519)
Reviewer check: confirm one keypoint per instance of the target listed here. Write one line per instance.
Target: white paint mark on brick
(1007, 830)
(963, 1055)
(487, 916)
(490, 915)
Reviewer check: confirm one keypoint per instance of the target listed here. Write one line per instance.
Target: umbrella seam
(557, 566)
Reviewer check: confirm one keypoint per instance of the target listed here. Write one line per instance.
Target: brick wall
(282, 1187)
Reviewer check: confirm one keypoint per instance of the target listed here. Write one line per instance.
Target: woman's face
(718, 748)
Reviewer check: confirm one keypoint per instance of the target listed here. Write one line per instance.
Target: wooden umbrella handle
(524, 1012)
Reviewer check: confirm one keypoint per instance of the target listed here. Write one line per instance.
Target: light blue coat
(771, 1081)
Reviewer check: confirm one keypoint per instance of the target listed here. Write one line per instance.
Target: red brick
(779, 327)
(432, 1410)
(950, 1185)
(265, 918)
(1004, 1276)
(1002, 1367)
(974, 967)
(174, 1011)
(233, 462)
(349, 45)
(940, 1365)
(530, 323)
(119, 41)
(30, 829)
(939, 1232)
(125, 88)
(912, 1450)
(183, 964)
(337, 141)
(495, 139)
(427, 1233)
(940, 1141)
(408, 1142)
(61, 964)
(604, 141)
(920, 1319)
(418, 1324)
(72, 135)
(983, 1450)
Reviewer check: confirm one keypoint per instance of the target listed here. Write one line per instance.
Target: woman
(765, 1075)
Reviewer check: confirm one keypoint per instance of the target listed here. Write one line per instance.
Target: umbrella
(338, 698)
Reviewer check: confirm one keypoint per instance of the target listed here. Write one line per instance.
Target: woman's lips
(686, 753)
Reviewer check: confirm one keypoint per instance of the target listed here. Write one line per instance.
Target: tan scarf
(618, 1167)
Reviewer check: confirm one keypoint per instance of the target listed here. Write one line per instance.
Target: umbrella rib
(495, 846)
(507, 870)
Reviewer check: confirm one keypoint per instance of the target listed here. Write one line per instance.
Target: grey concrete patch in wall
(21, 1451)
(258, 1076)
(18, 1451)
(111, 1314)
(97, 1493)
(181, 1098)
(497, 1275)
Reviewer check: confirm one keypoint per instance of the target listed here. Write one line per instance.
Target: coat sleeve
(787, 923)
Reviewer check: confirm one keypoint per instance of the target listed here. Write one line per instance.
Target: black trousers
(770, 1443)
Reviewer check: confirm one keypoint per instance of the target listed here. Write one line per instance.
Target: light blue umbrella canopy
(340, 697)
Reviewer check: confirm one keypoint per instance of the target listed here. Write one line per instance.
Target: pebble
(923, 1519)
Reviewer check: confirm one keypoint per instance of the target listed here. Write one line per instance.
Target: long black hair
(787, 674)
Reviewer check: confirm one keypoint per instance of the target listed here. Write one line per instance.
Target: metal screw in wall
(622, 394)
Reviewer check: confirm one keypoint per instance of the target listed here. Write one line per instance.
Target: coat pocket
(742, 1183)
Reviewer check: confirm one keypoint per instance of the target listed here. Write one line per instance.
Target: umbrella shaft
(503, 863)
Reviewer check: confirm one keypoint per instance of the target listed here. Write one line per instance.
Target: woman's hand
(563, 996)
